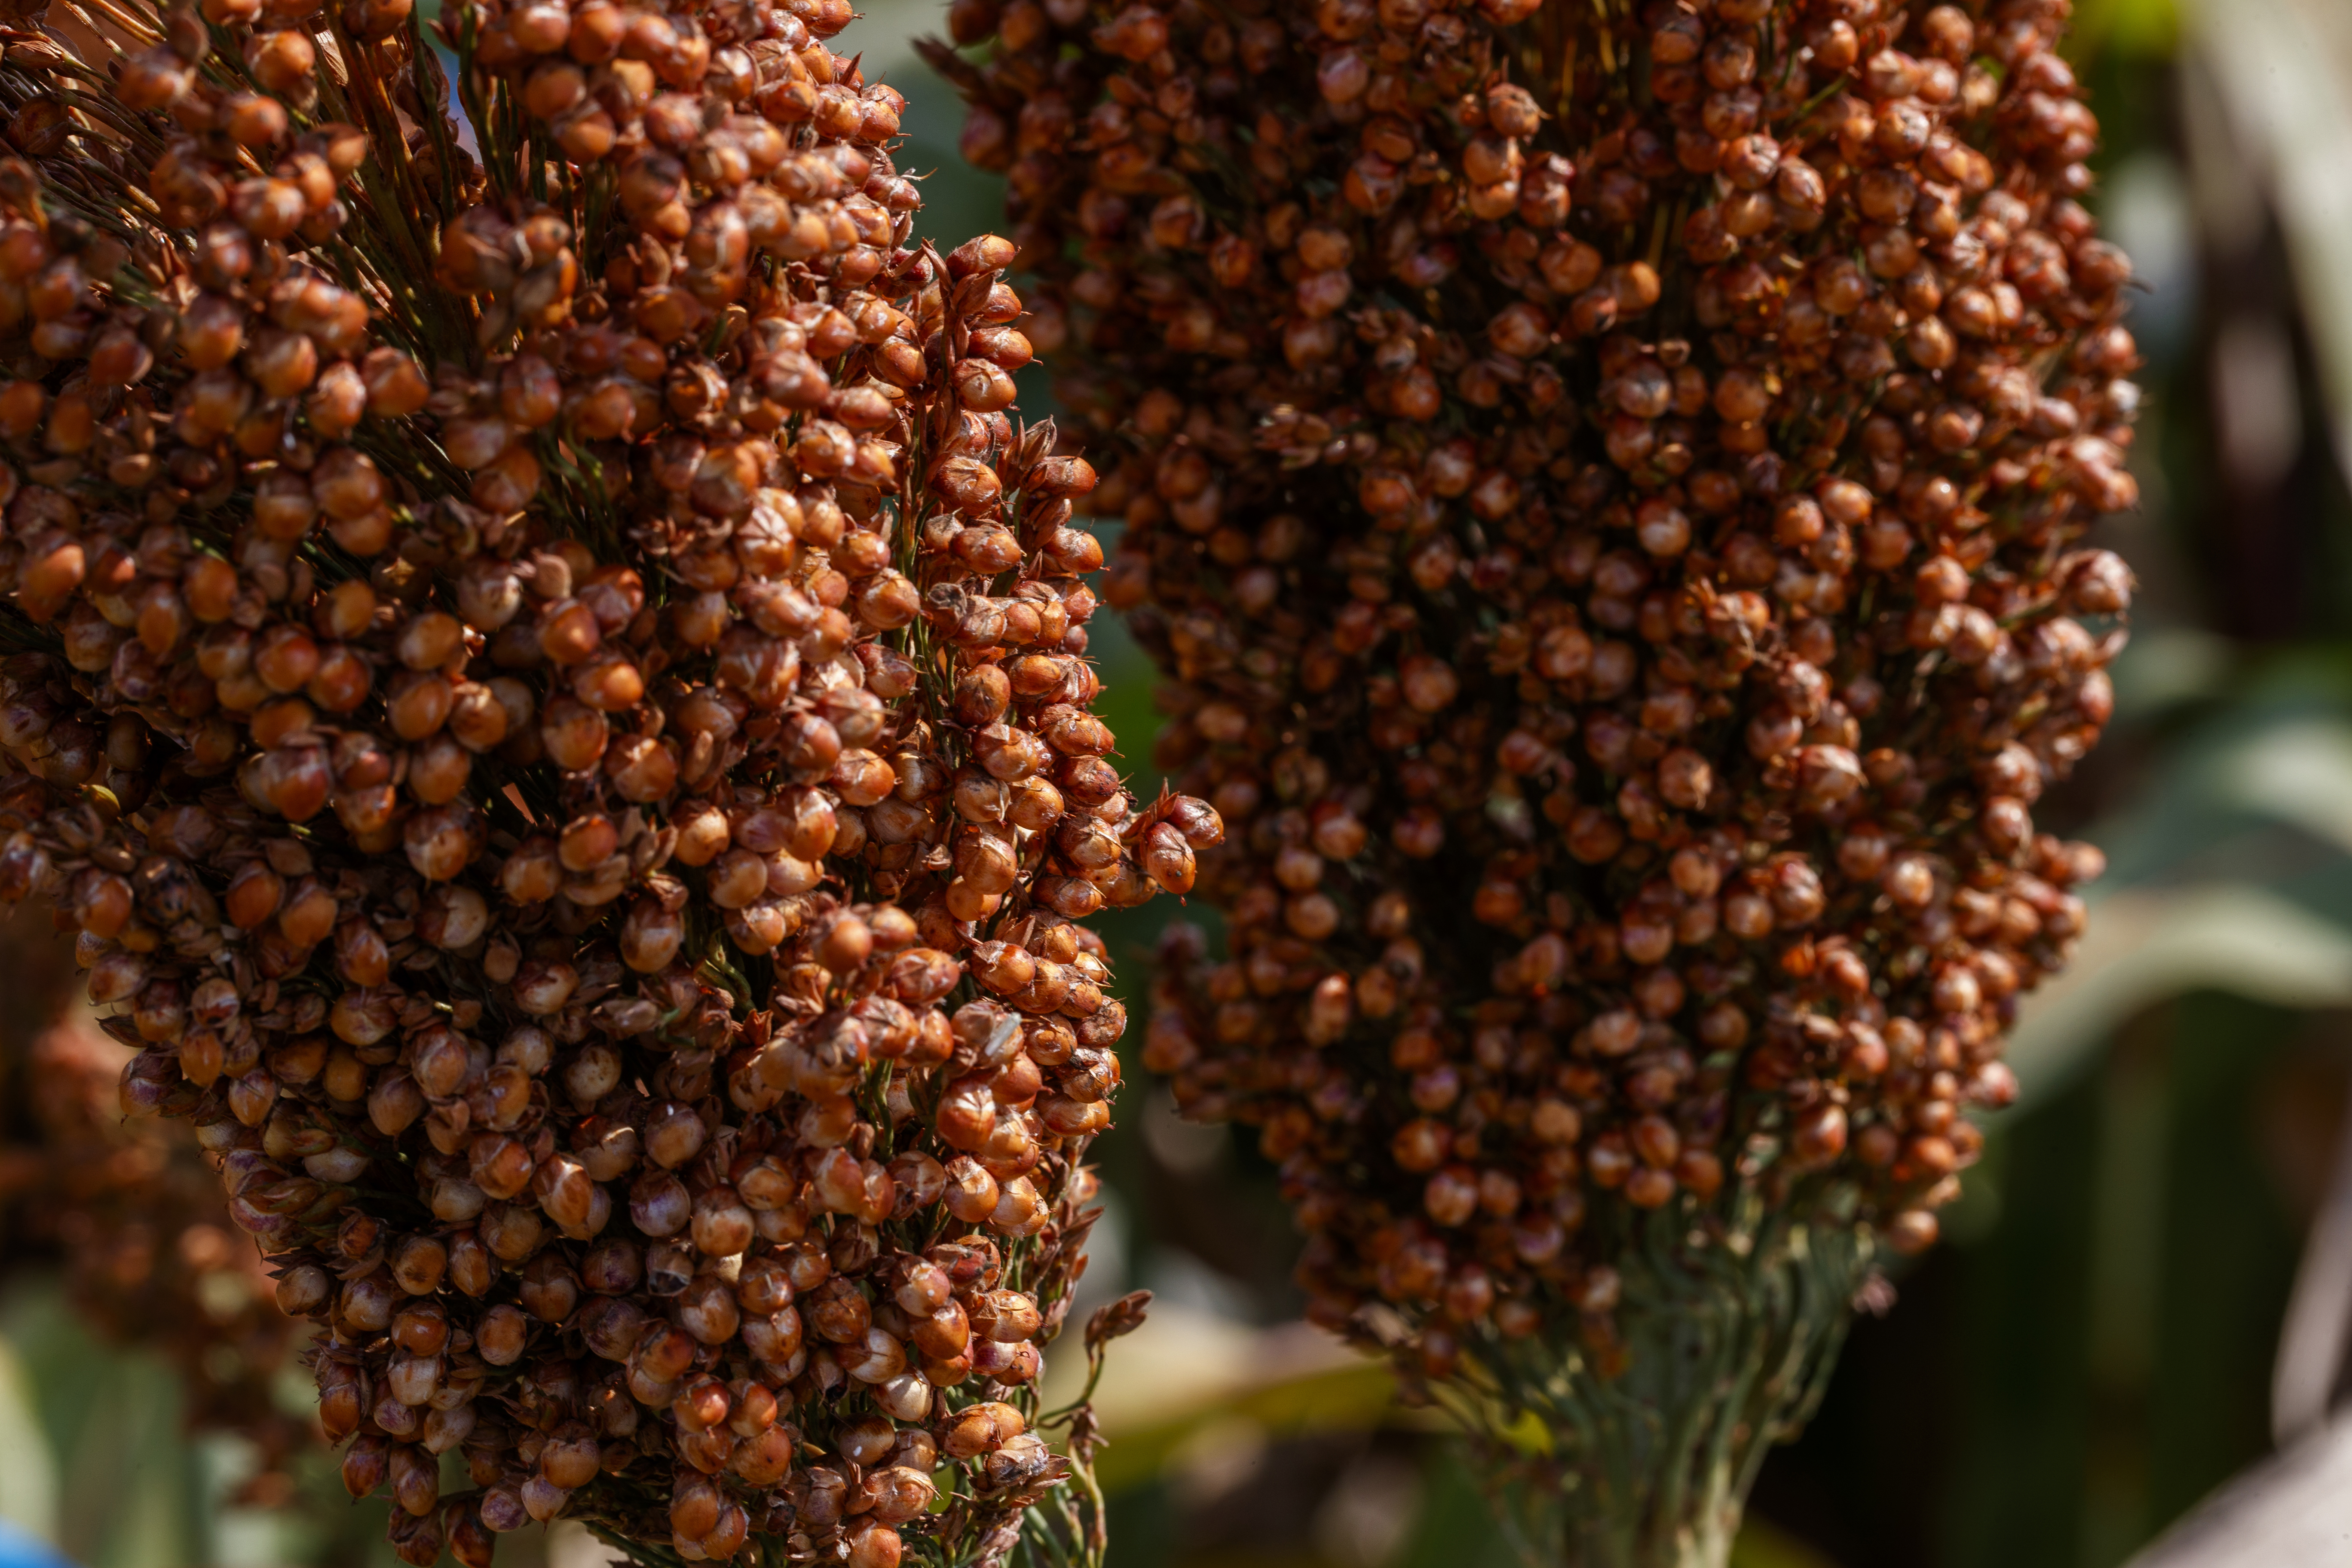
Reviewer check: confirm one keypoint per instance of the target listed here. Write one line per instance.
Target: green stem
(1729, 1340)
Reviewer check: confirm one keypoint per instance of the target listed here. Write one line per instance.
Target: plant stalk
(1634, 1445)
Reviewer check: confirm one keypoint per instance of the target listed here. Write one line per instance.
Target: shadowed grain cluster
(1604, 487)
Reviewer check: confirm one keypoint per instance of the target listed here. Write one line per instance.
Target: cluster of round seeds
(551, 689)
(1603, 486)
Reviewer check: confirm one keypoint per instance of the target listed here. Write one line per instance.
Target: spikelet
(552, 689)
(1603, 486)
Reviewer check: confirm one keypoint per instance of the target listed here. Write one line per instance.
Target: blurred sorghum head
(1605, 489)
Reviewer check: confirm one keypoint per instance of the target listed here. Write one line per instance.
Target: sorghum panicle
(1603, 488)
(552, 690)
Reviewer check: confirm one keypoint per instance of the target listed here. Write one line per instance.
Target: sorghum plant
(551, 689)
(1603, 485)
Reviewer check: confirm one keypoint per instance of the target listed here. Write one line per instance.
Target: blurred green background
(2093, 1350)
